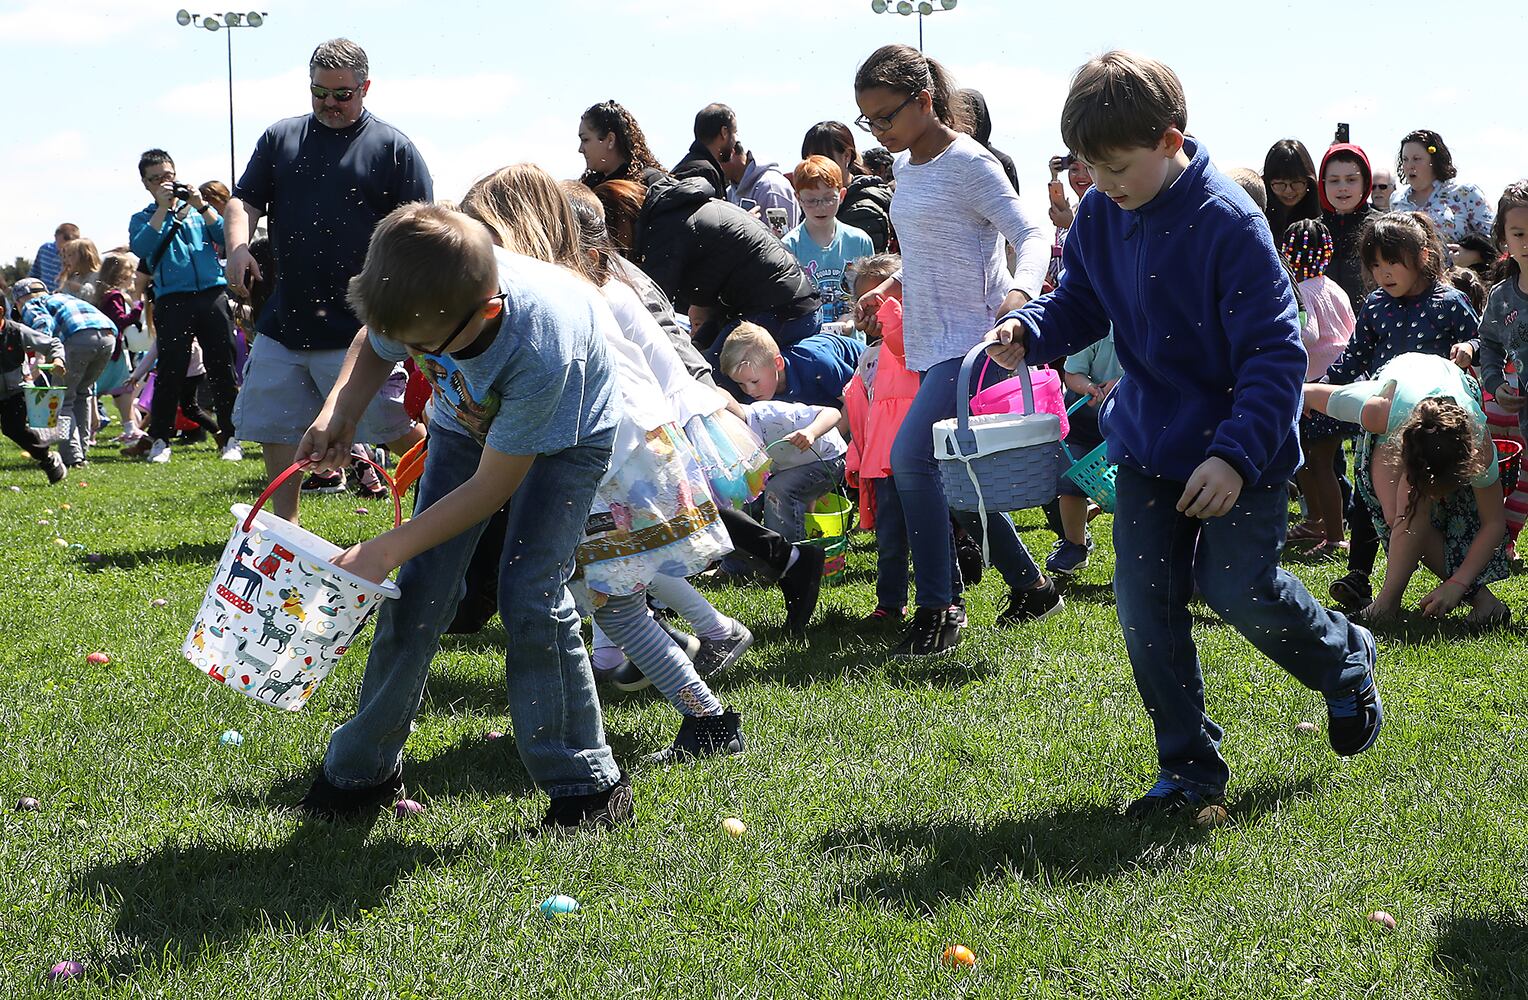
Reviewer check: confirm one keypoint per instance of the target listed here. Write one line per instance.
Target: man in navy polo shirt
(325, 180)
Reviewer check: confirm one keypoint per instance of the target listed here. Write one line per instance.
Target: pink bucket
(1007, 396)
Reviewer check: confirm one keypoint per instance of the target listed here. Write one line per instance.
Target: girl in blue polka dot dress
(1413, 311)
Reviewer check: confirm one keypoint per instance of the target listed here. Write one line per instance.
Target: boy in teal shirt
(823, 245)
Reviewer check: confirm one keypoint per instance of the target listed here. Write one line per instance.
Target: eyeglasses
(445, 345)
(822, 201)
(1294, 185)
(884, 122)
(341, 94)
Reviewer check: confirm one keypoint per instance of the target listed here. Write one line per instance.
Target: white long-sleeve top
(952, 215)
(688, 396)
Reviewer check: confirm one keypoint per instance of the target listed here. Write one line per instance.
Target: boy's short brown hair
(425, 263)
(1252, 183)
(1120, 101)
(748, 343)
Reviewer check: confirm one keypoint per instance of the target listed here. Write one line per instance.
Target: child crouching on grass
(15, 341)
(1202, 424)
(1427, 475)
(531, 412)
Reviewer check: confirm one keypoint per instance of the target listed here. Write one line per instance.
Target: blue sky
(480, 85)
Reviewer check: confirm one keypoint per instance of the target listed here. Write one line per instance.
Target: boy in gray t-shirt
(525, 406)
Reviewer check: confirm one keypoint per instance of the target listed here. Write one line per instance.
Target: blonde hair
(748, 343)
(527, 213)
(425, 263)
(80, 259)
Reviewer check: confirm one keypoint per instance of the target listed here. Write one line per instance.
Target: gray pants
(86, 355)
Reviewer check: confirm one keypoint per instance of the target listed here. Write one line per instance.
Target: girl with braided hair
(614, 147)
(1326, 330)
(1427, 473)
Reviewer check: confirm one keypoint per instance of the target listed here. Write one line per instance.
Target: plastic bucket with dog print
(279, 614)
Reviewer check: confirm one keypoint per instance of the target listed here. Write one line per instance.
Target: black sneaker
(716, 655)
(1034, 605)
(55, 468)
(802, 585)
(326, 800)
(324, 482)
(1169, 798)
(933, 632)
(629, 677)
(1354, 716)
(704, 736)
(610, 808)
(1351, 592)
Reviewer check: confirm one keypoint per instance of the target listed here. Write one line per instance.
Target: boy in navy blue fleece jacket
(1202, 424)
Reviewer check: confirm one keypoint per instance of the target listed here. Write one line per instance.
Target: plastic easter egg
(158, 602)
(60, 543)
(1383, 919)
(98, 659)
(231, 738)
(957, 955)
(65, 506)
(27, 804)
(1213, 814)
(734, 827)
(362, 510)
(76, 547)
(42, 520)
(405, 808)
(558, 906)
(493, 734)
(15, 489)
(66, 970)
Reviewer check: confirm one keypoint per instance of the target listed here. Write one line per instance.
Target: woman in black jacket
(712, 259)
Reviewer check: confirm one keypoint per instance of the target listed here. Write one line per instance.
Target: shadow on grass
(1484, 956)
(191, 902)
(200, 553)
(836, 648)
(1414, 629)
(1077, 843)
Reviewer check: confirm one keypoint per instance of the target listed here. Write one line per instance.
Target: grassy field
(892, 808)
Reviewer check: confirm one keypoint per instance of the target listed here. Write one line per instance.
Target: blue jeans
(924, 505)
(890, 546)
(789, 492)
(1237, 569)
(552, 701)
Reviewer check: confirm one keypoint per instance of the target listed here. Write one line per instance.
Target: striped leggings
(626, 621)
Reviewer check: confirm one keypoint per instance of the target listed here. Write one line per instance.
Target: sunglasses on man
(340, 94)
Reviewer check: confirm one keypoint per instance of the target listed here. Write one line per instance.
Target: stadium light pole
(907, 8)
(221, 22)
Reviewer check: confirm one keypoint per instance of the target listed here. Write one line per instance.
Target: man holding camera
(173, 238)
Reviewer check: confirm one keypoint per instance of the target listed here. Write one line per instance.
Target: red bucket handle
(303, 463)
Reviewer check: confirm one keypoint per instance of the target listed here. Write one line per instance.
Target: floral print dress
(1456, 209)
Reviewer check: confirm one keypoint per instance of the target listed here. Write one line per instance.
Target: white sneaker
(159, 454)
(232, 451)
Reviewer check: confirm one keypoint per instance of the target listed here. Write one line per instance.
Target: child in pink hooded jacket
(875, 402)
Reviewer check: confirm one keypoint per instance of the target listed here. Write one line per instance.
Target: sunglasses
(445, 345)
(342, 94)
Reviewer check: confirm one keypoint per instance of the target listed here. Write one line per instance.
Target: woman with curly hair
(1427, 168)
(614, 147)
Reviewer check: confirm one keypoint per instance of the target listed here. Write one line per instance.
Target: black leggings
(178, 318)
(13, 423)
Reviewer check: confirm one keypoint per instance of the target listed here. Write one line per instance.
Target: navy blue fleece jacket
(1205, 326)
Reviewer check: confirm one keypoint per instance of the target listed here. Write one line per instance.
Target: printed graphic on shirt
(451, 388)
(830, 286)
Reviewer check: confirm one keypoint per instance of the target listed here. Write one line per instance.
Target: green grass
(892, 808)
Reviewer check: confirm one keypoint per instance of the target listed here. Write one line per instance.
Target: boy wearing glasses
(526, 406)
(325, 179)
(821, 244)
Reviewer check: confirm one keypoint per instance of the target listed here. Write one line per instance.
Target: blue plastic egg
(558, 906)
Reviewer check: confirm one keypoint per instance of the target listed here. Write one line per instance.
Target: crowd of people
(626, 380)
